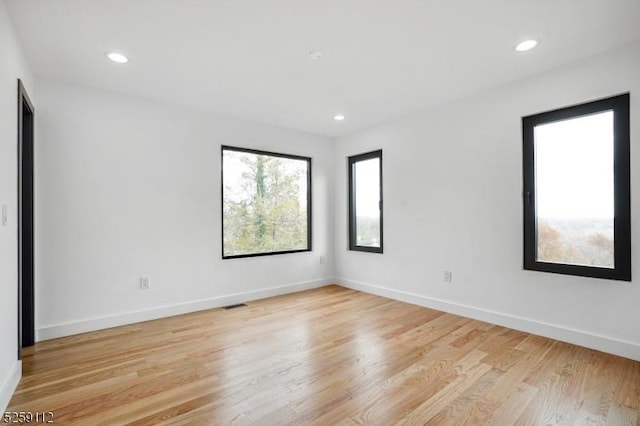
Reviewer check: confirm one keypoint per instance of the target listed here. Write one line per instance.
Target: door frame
(26, 305)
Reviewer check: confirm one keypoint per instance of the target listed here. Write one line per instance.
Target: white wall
(127, 187)
(12, 66)
(452, 187)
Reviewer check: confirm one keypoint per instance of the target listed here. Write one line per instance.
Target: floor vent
(239, 305)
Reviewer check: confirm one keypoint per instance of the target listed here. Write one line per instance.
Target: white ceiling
(248, 58)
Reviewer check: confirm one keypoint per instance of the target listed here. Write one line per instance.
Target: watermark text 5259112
(27, 417)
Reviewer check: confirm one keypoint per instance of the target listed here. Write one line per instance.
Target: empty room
(319, 212)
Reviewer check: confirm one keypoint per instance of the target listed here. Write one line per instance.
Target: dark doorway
(26, 323)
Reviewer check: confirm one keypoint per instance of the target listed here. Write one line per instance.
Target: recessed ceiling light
(339, 117)
(117, 57)
(526, 45)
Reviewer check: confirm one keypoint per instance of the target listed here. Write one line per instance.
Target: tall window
(266, 203)
(365, 202)
(576, 190)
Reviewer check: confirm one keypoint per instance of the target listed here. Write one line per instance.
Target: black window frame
(619, 104)
(352, 210)
(224, 148)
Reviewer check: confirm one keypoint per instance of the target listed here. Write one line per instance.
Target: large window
(365, 202)
(576, 190)
(266, 203)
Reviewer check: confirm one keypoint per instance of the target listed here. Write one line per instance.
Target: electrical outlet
(448, 276)
(145, 283)
(322, 260)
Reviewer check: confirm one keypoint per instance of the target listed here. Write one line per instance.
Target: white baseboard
(578, 337)
(10, 385)
(92, 324)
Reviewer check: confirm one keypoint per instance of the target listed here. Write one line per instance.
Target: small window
(266, 203)
(365, 202)
(576, 190)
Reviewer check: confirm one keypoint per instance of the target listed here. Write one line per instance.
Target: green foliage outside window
(265, 203)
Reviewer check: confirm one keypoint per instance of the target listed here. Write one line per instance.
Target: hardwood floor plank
(621, 415)
(428, 410)
(507, 410)
(325, 356)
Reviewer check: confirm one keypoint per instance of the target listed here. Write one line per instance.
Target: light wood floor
(325, 356)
